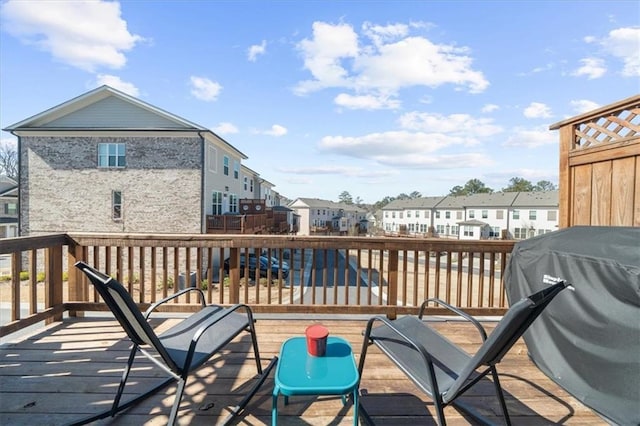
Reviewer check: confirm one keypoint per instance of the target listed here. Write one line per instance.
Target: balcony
(68, 363)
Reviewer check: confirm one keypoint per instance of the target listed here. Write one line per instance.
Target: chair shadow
(479, 405)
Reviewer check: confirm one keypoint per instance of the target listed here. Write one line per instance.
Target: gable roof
(413, 203)
(106, 108)
(537, 199)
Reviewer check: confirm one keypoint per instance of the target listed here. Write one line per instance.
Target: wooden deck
(71, 370)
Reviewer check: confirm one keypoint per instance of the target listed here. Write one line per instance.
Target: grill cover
(587, 341)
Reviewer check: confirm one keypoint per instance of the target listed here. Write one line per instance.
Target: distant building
(8, 207)
(318, 216)
(516, 215)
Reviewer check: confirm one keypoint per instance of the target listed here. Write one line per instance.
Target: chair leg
(123, 381)
(503, 404)
(176, 402)
(439, 406)
(254, 341)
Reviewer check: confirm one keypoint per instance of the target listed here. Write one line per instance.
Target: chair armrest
(198, 334)
(457, 311)
(154, 306)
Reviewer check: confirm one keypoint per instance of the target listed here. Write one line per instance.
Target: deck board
(70, 370)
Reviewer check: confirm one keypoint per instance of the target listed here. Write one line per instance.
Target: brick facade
(63, 190)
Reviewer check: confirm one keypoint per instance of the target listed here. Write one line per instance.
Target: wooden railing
(236, 224)
(325, 274)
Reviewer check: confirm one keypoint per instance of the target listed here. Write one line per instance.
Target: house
(534, 213)
(8, 207)
(410, 215)
(323, 216)
(516, 215)
(108, 162)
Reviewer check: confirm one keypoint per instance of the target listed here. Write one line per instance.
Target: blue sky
(375, 98)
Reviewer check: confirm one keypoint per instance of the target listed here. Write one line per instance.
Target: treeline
(473, 186)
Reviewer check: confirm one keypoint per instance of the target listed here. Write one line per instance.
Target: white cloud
(276, 130)
(117, 83)
(337, 58)
(488, 108)
(591, 67)
(225, 129)
(370, 102)
(531, 138)
(205, 89)
(462, 125)
(582, 105)
(537, 110)
(624, 44)
(337, 170)
(84, 34)
(255, 50)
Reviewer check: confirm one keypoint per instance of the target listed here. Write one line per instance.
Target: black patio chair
(179, 350)
(440, 368)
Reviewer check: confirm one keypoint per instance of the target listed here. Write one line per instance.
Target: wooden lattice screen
(600, 166)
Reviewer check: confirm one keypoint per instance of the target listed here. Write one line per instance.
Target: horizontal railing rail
(272, 273)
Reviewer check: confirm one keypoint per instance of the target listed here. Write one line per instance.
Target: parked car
(265, 264)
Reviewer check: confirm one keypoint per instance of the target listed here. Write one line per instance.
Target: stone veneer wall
(63, 190)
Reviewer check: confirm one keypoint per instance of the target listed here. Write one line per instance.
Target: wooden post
(75, 279)
(234, 275)
(392, 282)
(53, 285)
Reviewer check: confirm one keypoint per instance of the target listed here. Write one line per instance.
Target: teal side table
(299, 373)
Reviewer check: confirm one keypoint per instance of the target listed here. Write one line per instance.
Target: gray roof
(413, 203)
(317, 203)
(536, 199)
(495, 199)
(473, 222)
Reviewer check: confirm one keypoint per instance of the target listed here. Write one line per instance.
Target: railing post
(53, 285)
(74, 276)
(392, 282)
(234, 275)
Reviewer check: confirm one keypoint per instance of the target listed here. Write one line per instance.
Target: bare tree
(8, 161)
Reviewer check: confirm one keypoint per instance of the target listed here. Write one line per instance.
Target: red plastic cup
(317, 340)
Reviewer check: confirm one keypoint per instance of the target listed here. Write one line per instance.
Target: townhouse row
(516, 215)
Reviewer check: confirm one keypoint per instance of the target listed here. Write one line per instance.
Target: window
(552, 215)
(472, 214)
(216, 203)
(233, 203)
(212, 161)
(454, 230)
(532, 215)
(116, 205)
(520, 233)
(386, 214)
(468, 231)
(423, 228)
(111, 155)
(246, 182)
(225, 165)
(499, 214)
(408, 213)
(440, 229)
(236, 170)
(437, 214)
(393, 215)
(494, 232)
(426, 214)
(459, 215)
(11, 208)
(401, 214)
(447, 215)
(417, 213)
(485, 214)
(251, 186)
(516, 214)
